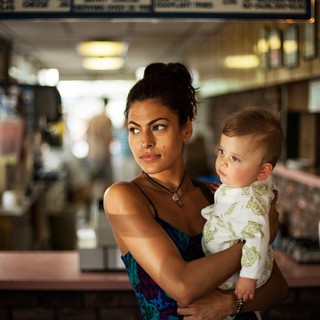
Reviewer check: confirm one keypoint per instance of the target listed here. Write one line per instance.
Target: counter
(50, 285)
(49, 270)
(44, 270)
(298, 275)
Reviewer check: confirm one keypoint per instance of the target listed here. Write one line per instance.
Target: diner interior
(58, 256)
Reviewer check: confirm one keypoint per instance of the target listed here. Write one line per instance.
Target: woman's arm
(274, 218)
(215, 305)
(218, 305)
(137, 231)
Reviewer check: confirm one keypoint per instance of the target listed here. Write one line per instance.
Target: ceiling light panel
(102, 48)
(105, 63)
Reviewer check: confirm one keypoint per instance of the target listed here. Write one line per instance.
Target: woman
(156, 217)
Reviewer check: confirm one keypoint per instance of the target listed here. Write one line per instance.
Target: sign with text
(161, 9)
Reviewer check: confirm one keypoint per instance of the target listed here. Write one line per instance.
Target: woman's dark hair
(171, 84)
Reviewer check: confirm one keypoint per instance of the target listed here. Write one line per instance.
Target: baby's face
(238, 162)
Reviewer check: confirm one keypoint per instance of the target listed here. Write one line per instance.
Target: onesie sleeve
(256, 230)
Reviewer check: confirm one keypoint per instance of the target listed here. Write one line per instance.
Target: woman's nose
(147, 141)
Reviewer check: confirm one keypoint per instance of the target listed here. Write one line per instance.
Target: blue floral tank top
(155, 303)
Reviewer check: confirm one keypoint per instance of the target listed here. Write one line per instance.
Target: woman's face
(155, 137)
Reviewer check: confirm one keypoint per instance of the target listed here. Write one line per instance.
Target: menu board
(198, 9)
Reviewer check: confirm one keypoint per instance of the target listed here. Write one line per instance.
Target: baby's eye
(220, 151)
(235, 159)
(134, 130)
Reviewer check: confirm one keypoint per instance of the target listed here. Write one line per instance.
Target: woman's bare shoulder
(120, 187)
(121, 195)
(120, 190)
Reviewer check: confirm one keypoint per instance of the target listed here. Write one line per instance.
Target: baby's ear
(265, 171)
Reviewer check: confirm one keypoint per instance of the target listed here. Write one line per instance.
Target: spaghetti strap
(153, 206)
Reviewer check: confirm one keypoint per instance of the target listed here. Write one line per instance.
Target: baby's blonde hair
(263, 125)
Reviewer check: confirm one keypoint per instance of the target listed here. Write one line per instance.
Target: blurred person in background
(99, 137)
(125, 167)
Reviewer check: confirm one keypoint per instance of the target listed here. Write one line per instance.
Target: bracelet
(239, 309)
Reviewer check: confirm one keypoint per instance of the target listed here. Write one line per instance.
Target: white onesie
(241, 214)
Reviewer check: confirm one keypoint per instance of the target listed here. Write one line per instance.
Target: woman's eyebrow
(134, 123)
(158, 119)
(149, 123)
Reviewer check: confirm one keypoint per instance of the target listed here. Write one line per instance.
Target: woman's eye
(134, 130)
(159, 127)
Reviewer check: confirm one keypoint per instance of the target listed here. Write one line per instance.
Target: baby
(249, 149)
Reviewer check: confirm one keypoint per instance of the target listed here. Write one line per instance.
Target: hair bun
(154, 69)
(171, 84)
(170, 70)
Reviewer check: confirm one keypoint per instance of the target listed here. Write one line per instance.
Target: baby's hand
(245, 288)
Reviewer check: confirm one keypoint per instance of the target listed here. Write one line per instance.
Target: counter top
(298, 275)
(50, 270)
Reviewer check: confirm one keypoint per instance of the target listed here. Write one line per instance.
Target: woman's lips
(149, 157)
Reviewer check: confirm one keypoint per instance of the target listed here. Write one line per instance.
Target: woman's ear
(265, 171)
(187, 131)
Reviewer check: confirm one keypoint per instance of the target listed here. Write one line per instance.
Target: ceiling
(53, 42)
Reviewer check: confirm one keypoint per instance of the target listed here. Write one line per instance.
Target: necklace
(175, 197)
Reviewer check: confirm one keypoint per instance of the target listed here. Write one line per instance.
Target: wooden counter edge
(51, 270)
(60, 271)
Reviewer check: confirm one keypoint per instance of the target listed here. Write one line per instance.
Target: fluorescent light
(274, 42)
(102, 48)
(290, 46)
(105, 63)
(263, 46)
(242, 61)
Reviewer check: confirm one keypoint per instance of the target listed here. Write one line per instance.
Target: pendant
(176, 198)
(180, 203)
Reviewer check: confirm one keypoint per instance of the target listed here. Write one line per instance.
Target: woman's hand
(214, 186)
(214, 306)
(273, 218)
